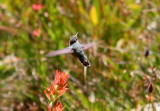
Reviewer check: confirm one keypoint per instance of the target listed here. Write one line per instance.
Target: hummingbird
(76, 49)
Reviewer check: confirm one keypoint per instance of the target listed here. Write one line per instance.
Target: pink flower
(36, 7)
(36, 33)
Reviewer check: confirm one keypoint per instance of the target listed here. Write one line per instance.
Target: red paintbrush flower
(58, 87)
(36, 7)
(57, 107)
(49, 92)
(60, 80)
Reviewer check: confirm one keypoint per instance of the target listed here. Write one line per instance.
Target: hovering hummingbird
(76, 49)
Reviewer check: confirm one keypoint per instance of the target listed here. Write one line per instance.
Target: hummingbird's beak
(76, 34)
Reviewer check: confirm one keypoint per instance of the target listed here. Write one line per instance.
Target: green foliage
(115, 80)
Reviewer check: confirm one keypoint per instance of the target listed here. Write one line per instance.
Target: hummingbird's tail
(85, 62)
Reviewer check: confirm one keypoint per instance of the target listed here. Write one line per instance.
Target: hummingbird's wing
(87, 46)
(58, 52)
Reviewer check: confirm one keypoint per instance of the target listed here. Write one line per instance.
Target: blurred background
(125, 66)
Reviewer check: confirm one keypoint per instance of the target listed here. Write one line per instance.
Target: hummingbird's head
(73, 39)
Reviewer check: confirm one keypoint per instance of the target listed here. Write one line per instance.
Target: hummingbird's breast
(78, 50)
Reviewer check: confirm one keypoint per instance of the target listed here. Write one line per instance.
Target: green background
(116, 78)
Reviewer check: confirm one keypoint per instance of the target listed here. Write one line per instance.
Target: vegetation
(125, 66)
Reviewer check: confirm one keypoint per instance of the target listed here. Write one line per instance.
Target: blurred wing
(58, 52)
(87, 46)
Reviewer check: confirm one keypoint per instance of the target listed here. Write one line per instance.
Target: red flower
(58, 87)
(49, 92)
(57, 107)
(36, 33)
(36, 7)
(60, 79)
